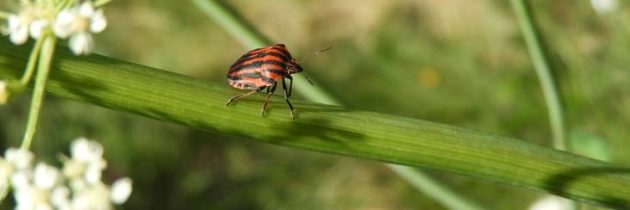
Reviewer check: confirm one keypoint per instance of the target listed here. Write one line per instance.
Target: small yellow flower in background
(4, 92)
(429, 77)
(77, 23)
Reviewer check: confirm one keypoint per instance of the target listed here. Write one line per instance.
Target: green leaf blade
(200, 104)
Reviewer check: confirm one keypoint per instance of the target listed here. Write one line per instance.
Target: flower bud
(9, 89)
(4, 92)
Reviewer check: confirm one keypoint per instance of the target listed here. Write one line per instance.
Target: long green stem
(251, 38)
(200, 104)
(43, 68)
(32, 59)
(543, 70)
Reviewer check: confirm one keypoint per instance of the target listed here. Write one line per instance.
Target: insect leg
(290, 85)
(287, 94)
(235, 98)
(270, 90)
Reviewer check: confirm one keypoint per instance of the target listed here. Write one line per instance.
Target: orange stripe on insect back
(284, 52)
(247, 61)
(279, 46)
(269, 51)
(254, 53)
(253, 60)
(278, 50)
(249, 55)
(273, 76)
(245, 71)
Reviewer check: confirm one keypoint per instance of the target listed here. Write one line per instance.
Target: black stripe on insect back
(250, 56)
(282, 56)
(283, 50)
(280, 72)
(256, 64)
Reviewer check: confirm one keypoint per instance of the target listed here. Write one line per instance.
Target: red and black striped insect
(260, 70)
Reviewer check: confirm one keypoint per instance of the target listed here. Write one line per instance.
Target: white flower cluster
(76, 22)
(77, 186)
(32, 19)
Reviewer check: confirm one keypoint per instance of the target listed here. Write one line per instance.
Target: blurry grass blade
(590, 145)
(200, 104)
(225, 17)
(539, 58)
(543, 70)
(433, 189)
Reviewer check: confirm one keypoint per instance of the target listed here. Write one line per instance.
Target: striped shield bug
(260, 70)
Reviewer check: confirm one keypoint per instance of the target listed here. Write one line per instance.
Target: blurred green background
(462, 63)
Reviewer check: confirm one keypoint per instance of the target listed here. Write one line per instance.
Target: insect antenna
(312, 56)
(315, 54)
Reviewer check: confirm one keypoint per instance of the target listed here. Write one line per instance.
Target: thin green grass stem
(433, 188)
(543, 70)
(32, 59)
(43, 68)
(232, 23)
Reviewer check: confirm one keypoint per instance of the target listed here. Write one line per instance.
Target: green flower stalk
(47, 51)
